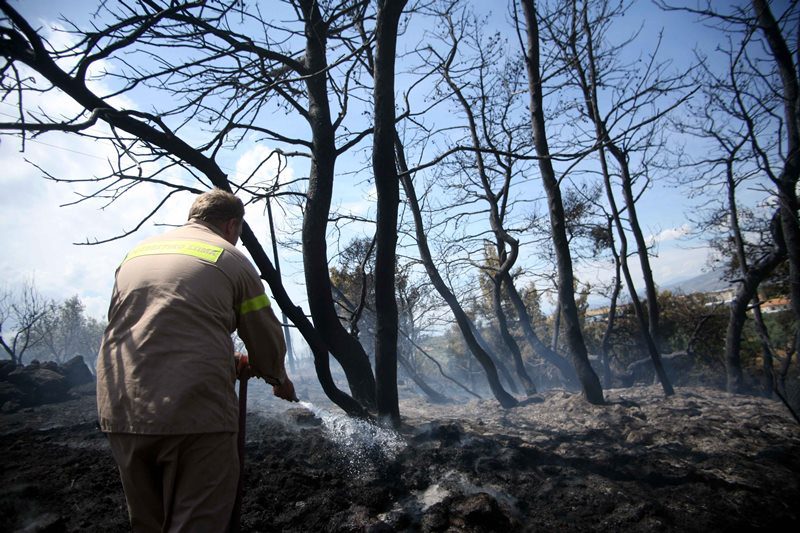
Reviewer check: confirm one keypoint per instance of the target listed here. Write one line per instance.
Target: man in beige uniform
(166, 368)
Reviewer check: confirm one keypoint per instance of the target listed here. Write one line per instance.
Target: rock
(435, 519)
(10, 393)
(303, 417)
(51, 365)
(11, 406)
(39, 385)
(77, 372)
(446, 433)
(481, 512)
(478, 512)
(6, 367)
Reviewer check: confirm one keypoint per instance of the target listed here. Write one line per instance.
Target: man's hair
(216, 207)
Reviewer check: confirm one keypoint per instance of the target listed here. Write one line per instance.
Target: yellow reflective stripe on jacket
(201, 250)
(254, 304)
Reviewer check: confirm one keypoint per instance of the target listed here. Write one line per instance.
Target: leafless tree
(226, 83)
(65, 331)
(488, 100)
(388, 190)
(20, 313)
(760, 94)
(728, 168)
(641, 99)
(590, 383)
(466, 327)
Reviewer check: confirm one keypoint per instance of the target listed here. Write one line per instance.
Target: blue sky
(38, 235)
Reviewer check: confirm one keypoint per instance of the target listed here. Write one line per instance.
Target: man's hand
(242, 363)
(285, 391)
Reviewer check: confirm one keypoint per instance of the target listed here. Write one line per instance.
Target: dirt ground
(702, 460)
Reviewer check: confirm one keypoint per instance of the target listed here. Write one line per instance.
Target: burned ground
(702, 460)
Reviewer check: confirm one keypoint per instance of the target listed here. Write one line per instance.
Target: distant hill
(706, 282)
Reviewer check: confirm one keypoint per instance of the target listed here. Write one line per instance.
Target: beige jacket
(166, 362)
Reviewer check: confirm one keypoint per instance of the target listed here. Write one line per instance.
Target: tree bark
(648, 327)
(592, 390)
(388, 191)
(506, 400)
(787, 180)
(605, 345)
(34, 54)
(508, 338)
(346, 349)
(433, 396)
(738, 310)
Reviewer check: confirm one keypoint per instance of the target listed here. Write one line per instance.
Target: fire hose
(244, 374)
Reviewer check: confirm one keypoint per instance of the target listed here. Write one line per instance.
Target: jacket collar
(200, 223)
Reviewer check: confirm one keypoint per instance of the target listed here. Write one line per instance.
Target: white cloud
(670, 234)
(673, 263)
(38, 235)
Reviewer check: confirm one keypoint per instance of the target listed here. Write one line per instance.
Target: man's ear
(230, 229)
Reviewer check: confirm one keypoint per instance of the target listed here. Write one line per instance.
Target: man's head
(221, 209)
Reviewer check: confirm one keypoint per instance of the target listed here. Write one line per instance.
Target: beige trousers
(178, 483)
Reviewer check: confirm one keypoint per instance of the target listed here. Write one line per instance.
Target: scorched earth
(703, 460)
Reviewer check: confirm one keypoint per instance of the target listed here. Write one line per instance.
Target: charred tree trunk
(592, 390)
(768, 377)
(605, 345)
(647, 339)
(506, 400)
(651, 294)
(388, 190)
(318, 347)
(567, 371)
(738, 310)
(28, 48)
(346, 349)
(433, 396)
(508, 338)
(787, 180)
(786, 363)
(741, 255)
(556, 328)
(646, 328)
(499, 363)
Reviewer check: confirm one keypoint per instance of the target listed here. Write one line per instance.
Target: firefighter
(166, 368)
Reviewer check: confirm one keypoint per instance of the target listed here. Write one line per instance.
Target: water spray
(362, 444)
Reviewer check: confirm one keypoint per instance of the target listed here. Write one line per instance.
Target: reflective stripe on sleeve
(254, 304)
(200, 250)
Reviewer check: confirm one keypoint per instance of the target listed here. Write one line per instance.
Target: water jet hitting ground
(363, 445)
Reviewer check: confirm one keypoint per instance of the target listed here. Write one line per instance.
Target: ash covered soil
(703, 460)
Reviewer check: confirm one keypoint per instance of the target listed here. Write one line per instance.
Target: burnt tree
(592, 390)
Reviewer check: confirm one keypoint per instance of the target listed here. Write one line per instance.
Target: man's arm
(261, 332)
